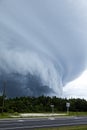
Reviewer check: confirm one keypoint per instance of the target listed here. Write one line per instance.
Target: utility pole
(3, 96)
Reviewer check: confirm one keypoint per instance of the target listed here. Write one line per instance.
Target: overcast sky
(46, 39)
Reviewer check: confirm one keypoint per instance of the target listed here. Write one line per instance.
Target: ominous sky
(43, 46)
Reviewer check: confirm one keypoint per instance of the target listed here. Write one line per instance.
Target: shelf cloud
(42, 45)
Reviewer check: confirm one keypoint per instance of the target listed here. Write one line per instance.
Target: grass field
(78, 114)
(83, 127)
(13, 115)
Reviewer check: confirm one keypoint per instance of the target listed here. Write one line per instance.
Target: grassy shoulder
(37, 115)
(82, 127)
(8, 115)
(78, 114)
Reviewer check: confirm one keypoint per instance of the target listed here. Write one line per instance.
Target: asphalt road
(27, 124)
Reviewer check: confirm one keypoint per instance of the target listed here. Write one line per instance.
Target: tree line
(41, 104)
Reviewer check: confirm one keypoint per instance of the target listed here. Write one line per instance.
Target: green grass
(78, 114)
(9, 115)
(4, 115)
(83, 127)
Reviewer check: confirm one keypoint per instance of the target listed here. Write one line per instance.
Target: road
(27, 124)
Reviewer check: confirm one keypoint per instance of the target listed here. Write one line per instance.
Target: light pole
(3, 97)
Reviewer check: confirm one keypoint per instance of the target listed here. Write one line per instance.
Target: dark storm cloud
(45, 39)
(20, 85)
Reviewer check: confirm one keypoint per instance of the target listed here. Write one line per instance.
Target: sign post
(52, 106)
(68, 106)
